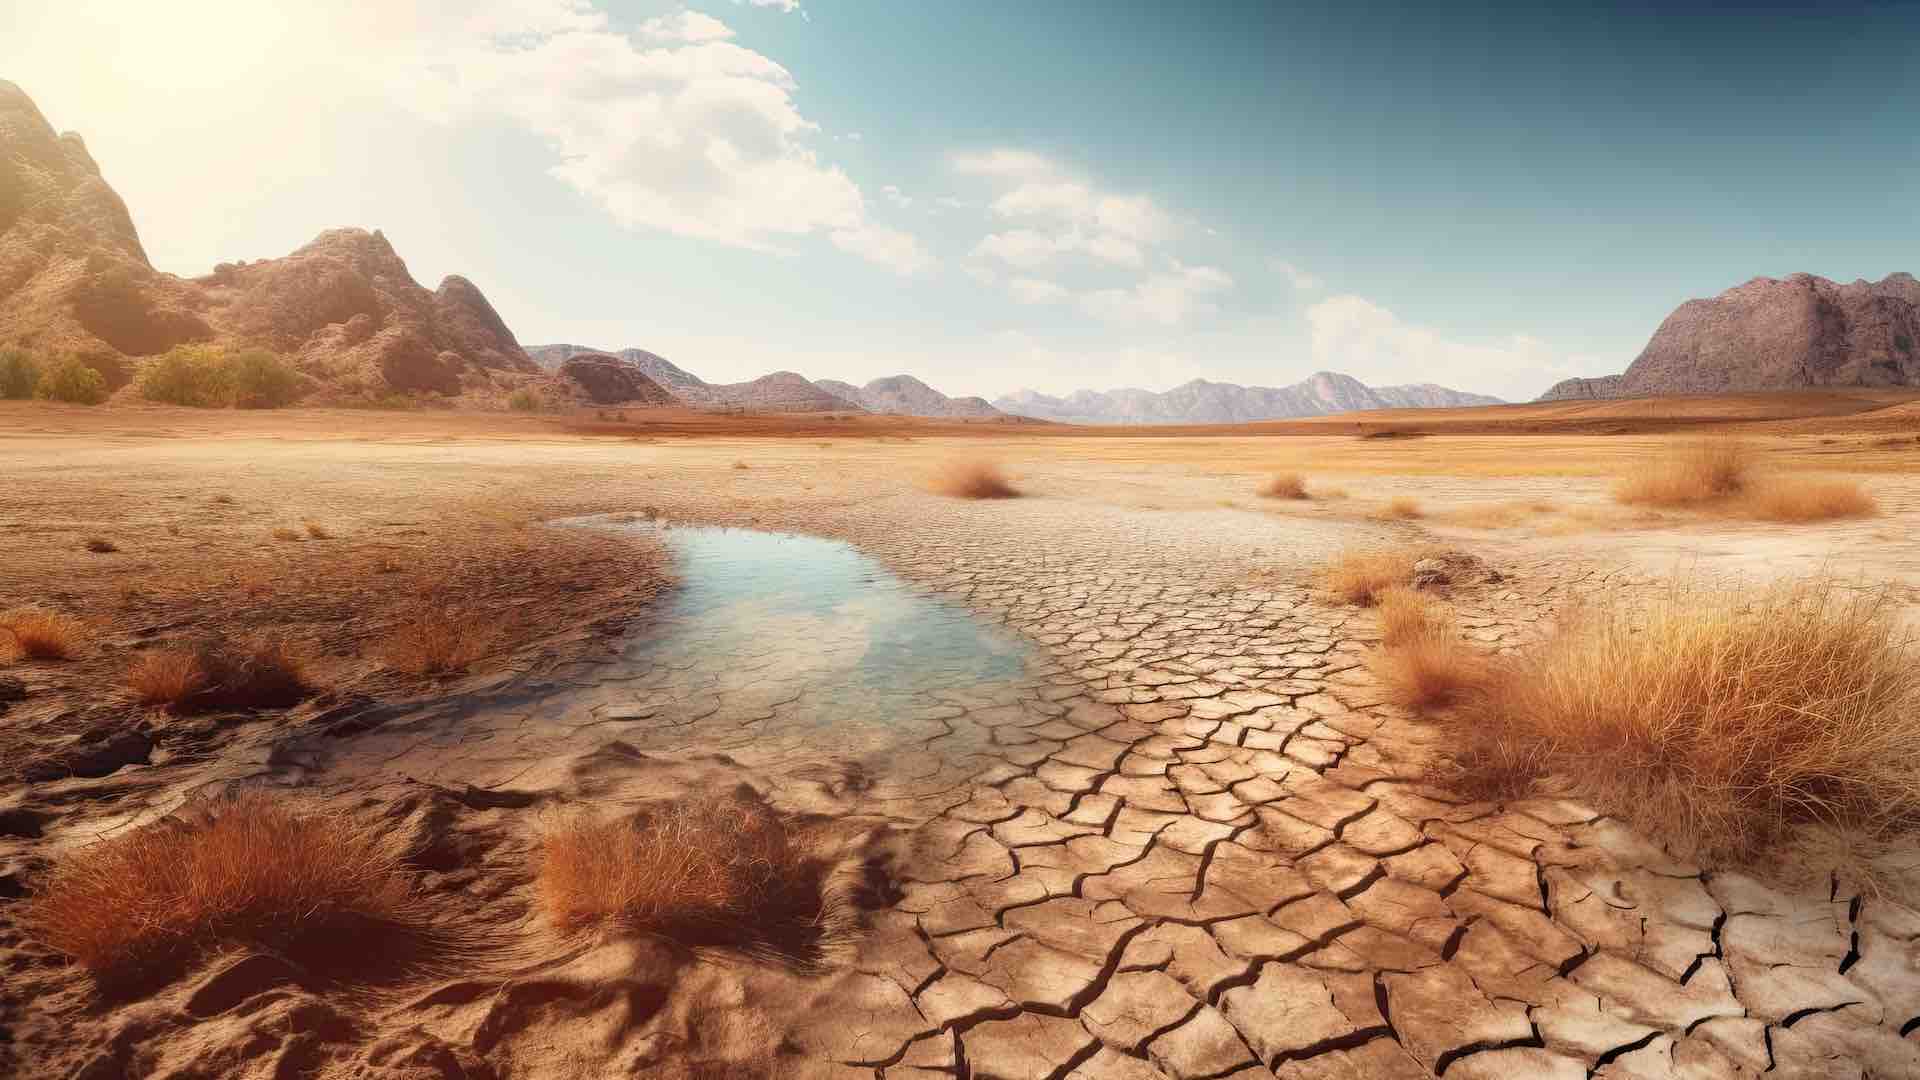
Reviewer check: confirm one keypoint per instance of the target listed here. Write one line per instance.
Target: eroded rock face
(609, 380)
(343, 309)
(1776, 334)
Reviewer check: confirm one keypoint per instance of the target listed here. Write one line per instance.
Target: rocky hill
(343, 310)
(609, 380)
(1776, 334)
(1204, 402)
(904, 395)
(653, 366)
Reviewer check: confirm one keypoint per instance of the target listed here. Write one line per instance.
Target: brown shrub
(1359, 576)
(1688, 474)
(100, 545)
(437, 639)
(250, 869)
(1430, 667)
(165, 677)
(1716, 721)
(1802, 499)
(970, 478)
(40, 634)
(1285, 486)
(262, 673)
(723, 869)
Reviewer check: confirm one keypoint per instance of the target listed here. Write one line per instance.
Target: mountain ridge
(1201, 401)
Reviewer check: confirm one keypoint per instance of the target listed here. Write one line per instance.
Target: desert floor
(1185, 839)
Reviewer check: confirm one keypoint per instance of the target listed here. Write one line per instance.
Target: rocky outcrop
(343, 309)
(609, 380)
(1776, 334)
(782, 391)
(1204, 402)
(652, 365)
(904, 395)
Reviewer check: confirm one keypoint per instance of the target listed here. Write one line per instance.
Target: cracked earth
(1187, 840)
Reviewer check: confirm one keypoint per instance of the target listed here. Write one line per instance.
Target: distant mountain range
(1775, 334)
(1203, 402)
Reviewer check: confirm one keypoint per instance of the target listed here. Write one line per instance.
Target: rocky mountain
(609, 380)
(904, 395)
(1774, 334)
(343, 310)
(1204, 402)
(653, 366)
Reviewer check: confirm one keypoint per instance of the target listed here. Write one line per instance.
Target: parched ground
(1189, 840)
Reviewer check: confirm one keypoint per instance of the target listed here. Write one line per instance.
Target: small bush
(165, 677)
(39, 634)
(1358, 577)
(19, 373)
(282, 532)
(525, 400)
(1429, 666)
(1285, 486)
(437, 639)
(71, 380)
(1715, 720)
(1688, 474)
(317, 531)
(260, 380)
(1401, 508)
(252, 869)
(971, 479)
(190, 375)
(1802, 499)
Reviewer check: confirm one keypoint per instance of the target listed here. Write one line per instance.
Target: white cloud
(1301, 280)
(1059, 213)
(897, 197)
(1167, 298)
(788, 6)
(674, 127)
(892, 248)
(1037, 291)
(1354, 335)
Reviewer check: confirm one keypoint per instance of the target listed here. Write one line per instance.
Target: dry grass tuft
(1358, 577)
(437, 639)
(724, 869)
(1688, 474)
(1500, 515)
(1285, 486)
(741, 465)
(1406, 613)
(971, 478)
(39, 634)
(100, 545)
(281, 532)
(1803, 499)
(264, 673)
(317, 531)
(1400, 508)
(1430, 667)
(1717, 721)
(250, 869)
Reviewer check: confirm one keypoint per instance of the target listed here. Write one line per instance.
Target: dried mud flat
(1187, 839)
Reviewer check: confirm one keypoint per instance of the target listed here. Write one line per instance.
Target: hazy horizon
(996, 198)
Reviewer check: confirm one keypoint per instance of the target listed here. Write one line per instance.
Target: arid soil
(1187, 840)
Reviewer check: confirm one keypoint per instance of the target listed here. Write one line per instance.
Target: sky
(1002, 195)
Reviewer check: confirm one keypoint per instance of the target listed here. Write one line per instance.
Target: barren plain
(1179, 832)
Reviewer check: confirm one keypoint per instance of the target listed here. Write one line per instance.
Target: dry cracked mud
(1187, 839)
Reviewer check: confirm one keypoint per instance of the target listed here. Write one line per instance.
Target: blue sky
(1003, 195)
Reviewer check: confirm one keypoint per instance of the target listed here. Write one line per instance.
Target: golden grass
(281, 532)
(1688, 473)
(250, 869)
(437, 639)
(723, 869)
(1358, 576)
(1405, 613)
(1716, 721)
(1430, 667)
(970, 478)
(264, 673)
(317, 531)
(39, 634)
(1803, 499)
(1501, 515)
(1400, 508)
(1286, 485)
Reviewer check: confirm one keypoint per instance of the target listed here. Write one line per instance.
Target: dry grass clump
(281, 532)
(724, 869)
(1500, 515)
(317, 531)
(264, 673)
(1285, 486)
(251, 869)
(971, 478)
(1803, 499)
(1358, 577)
(1688, 474)
(39, 634)
(1400, 508)
(1422, 662)
(1716, 720)
(100, 545)
(437, 639)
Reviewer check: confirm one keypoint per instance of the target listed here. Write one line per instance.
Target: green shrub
(18, 373)
(71, 380)
(260, 380)
(206, 377)
(525, 400)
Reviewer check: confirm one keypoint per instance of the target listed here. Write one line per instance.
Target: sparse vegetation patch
(40, 634)
(971, 478)
(1285, 486)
